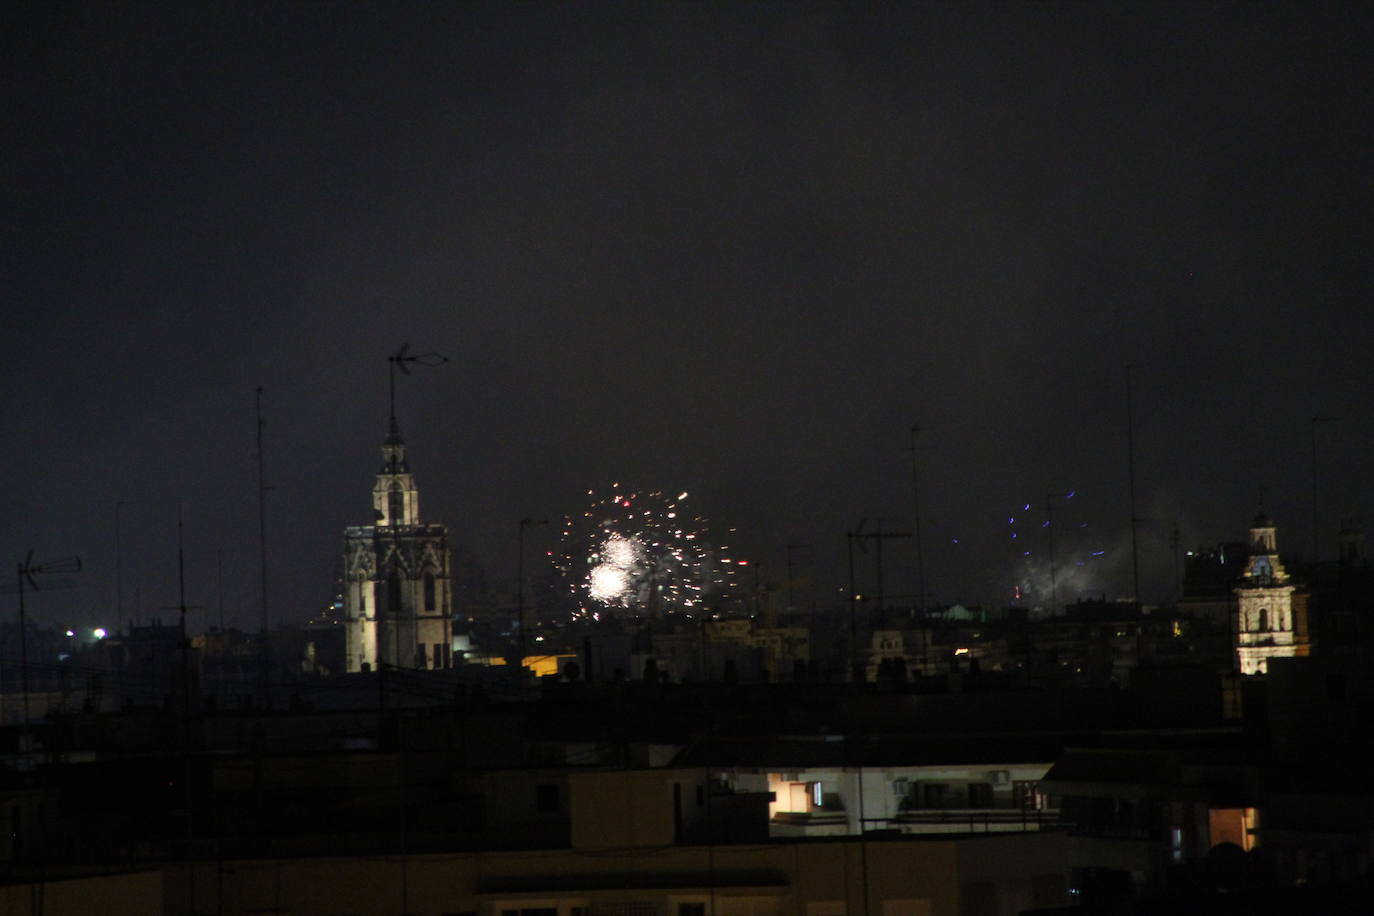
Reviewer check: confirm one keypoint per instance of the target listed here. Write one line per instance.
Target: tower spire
(399, 361)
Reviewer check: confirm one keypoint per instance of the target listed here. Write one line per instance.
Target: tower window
(429, 591)
(397, 506)
(393, 595)
(1263, 619)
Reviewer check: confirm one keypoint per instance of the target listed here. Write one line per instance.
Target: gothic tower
(397, 599)
(1270, 617)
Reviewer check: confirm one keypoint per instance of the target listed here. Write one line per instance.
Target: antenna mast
(1049, 529)
(1130, 467)
(916, 511)
(262, 551)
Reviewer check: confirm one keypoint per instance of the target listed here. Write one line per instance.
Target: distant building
(1271, 619)
(397, 591)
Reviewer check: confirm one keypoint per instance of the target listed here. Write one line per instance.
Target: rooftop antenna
(916, 512)
(184, 643)
(850, 536)
(262, 550)
(26, 573)
(525, 522)
(1049, 529)
(1130, 468)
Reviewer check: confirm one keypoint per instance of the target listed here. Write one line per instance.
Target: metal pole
(520, 592)
(1049, 528)
(262, 556)
(23, 649)
(520, 582)
(119, 574)
(916, 510)
(185, 644)
(853, 615)
(879, 558)
(1130, 464)
(185, 647)
(1316, 527)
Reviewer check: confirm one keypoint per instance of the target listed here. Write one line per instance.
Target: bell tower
(395, 501)
(1270, 617)
(397, 595)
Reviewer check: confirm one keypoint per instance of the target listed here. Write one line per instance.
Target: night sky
(735, 250)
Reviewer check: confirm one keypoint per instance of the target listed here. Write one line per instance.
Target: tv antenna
(27, 571)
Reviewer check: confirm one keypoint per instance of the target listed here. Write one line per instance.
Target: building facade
(1270, 617)
(397, 594)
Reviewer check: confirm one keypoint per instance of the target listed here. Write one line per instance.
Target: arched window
(429, 591)
(1263, 619)
(397, 505)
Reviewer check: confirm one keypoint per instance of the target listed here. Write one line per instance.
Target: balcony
(969, 820)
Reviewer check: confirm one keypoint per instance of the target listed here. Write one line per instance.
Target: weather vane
(399, 361)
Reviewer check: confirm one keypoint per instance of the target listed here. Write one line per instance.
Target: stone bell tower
(1271, 618)
(397, 595)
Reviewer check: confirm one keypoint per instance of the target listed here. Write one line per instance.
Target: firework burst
(640, 552)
